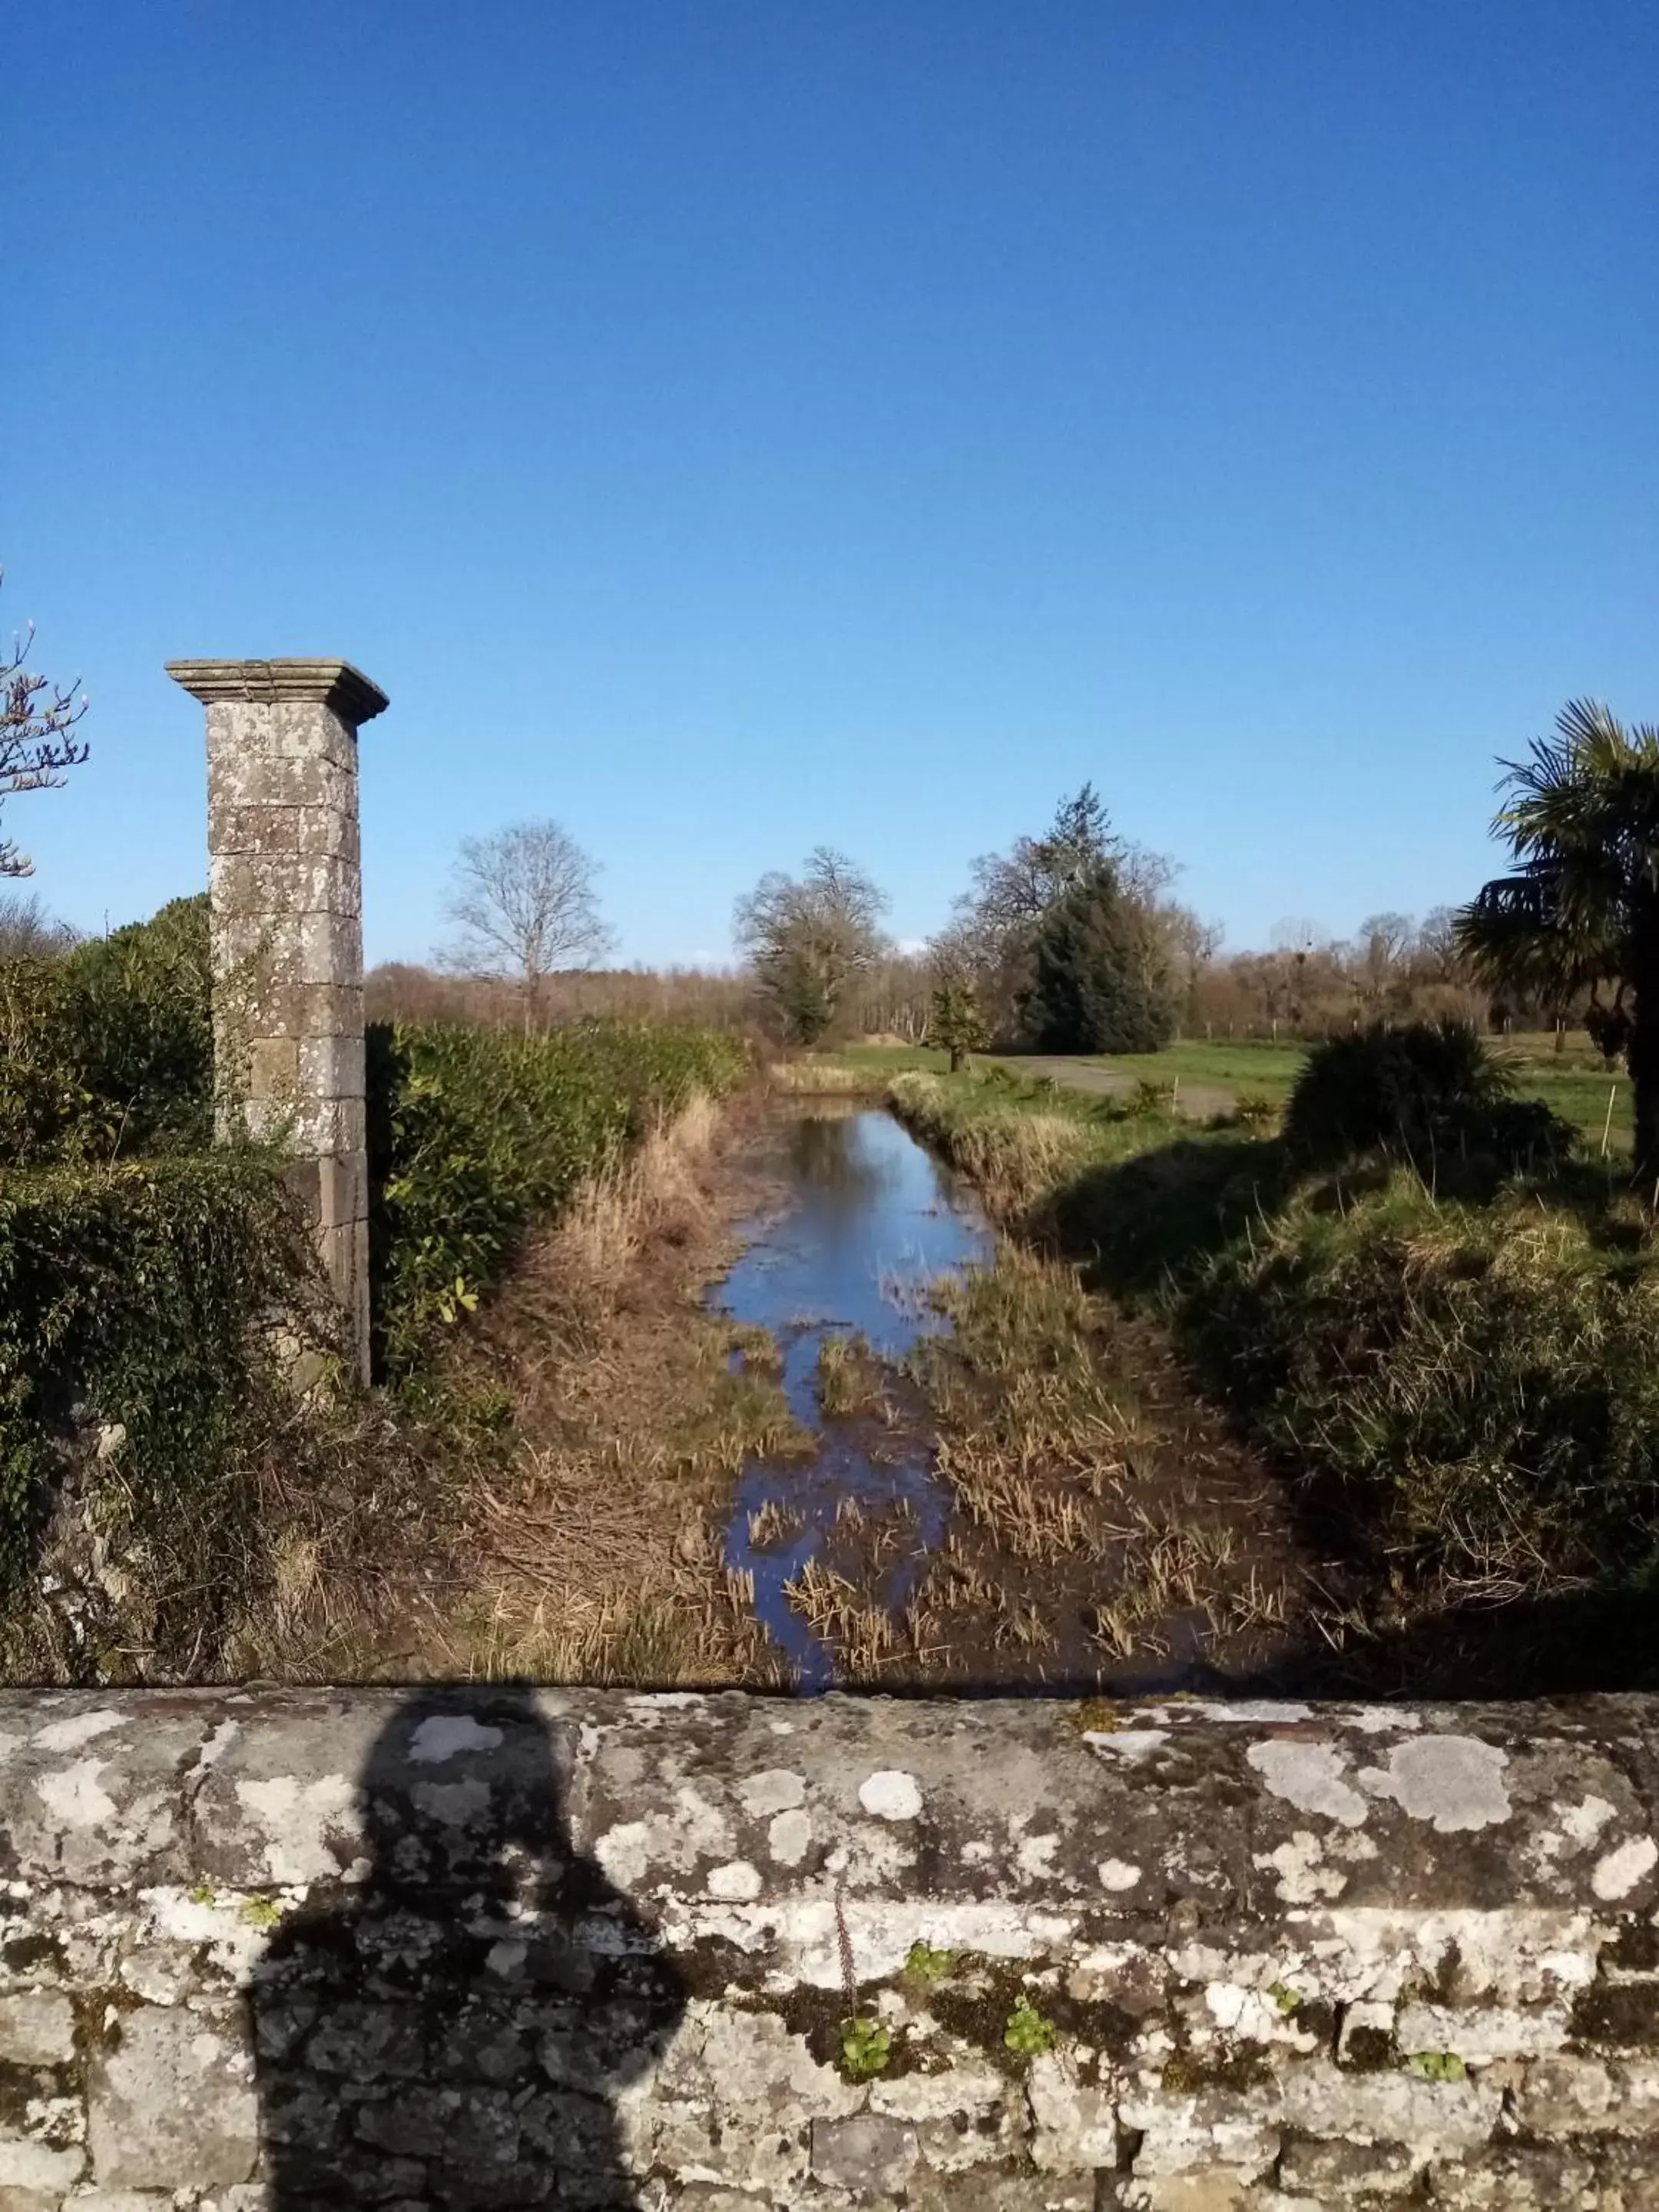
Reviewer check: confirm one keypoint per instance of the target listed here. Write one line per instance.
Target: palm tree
(1581, 909)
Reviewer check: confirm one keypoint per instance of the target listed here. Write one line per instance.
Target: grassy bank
(185, 1471)
(1461, 1386)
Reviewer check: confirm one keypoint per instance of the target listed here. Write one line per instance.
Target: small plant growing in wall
(262, 1912)
(1437, 2066)
(922, 1963)
(866, 2048)
(1028, 2033)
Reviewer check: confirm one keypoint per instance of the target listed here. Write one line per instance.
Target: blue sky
(733, 425)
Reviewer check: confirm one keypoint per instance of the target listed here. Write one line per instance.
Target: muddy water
(871, 1220)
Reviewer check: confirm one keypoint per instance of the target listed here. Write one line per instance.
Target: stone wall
(308, 1948)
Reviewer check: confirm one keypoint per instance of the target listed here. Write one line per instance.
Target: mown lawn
(1573, 1082)
(1240, 1064)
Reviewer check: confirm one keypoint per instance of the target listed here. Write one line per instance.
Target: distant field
(1241, 1063)
(1573, 1082)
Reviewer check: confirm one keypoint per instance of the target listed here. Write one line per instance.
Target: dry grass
(1095, 1518)
(568, 1530)
(823, 1079)
(849, 1377)
(1011, 1153)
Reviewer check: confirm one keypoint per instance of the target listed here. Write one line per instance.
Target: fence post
(285, 879)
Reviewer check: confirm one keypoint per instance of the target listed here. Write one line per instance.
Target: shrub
(476, 1135)
(1481, 1382)
(108, 1052)
(159, 1298)
(1423, 1091)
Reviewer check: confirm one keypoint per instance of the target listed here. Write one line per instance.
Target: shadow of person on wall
(450, 2031)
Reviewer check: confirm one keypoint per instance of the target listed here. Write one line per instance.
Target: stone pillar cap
(333, 683)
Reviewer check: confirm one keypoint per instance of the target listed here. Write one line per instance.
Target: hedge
(476, 1135)
(164, 1297)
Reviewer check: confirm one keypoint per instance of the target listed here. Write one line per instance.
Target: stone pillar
(286, 884)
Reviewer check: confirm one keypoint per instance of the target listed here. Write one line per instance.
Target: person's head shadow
(452, 2028)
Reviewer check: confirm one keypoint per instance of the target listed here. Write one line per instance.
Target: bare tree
(37, 736)
(28, 932)
(524, 903)
(807, 940)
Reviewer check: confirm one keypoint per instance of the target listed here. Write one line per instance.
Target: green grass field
(1572, 1082)
(1243, 1064)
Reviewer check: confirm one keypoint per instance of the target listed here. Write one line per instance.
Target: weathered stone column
(286, 883)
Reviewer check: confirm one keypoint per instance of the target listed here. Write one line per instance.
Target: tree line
(1069, 941)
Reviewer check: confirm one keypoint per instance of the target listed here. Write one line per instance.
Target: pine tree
(1097, 985)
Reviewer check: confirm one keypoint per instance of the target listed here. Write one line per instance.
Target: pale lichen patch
(1309, 1776)
(1456, 1782)
(789, 1837)
(890, 1794)
(774, 1790)
(78, 1728)
(1617, 1873)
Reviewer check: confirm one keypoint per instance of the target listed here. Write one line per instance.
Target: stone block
(329, 1066)
(172, 2105)
(1074, 2124)
(1626, 2176)
(311, 1010)
(273, 1068)
(866, 2154)
(1482, 2032)
(1399, 2107)
(29, 2165)
(754, 2146)
(1180, 2131)
(1565, 2096)
(1220, 2189)
(1325, 2171)
(1544, 2176)
(37, 2028)
(328, 948)
(1002, 2191)
(369, 2042)
(327, 1125)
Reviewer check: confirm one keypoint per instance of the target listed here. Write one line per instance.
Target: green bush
(1426, 1091)
(1481, 1383)
(476, 1135)
(108, 1052)
(149, 1296)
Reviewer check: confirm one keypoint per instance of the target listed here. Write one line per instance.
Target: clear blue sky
(732, 425)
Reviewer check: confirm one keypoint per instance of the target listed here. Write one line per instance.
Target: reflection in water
(875, 1219)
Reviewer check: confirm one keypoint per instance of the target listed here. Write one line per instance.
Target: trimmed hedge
(476, 1135)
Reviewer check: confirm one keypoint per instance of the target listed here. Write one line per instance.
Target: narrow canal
(872, 1222)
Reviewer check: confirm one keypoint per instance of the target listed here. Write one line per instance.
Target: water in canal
(872, 1220)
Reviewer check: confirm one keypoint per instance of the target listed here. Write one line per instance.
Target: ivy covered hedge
(154, 1287)
(147, 1310)
(476, 1135)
